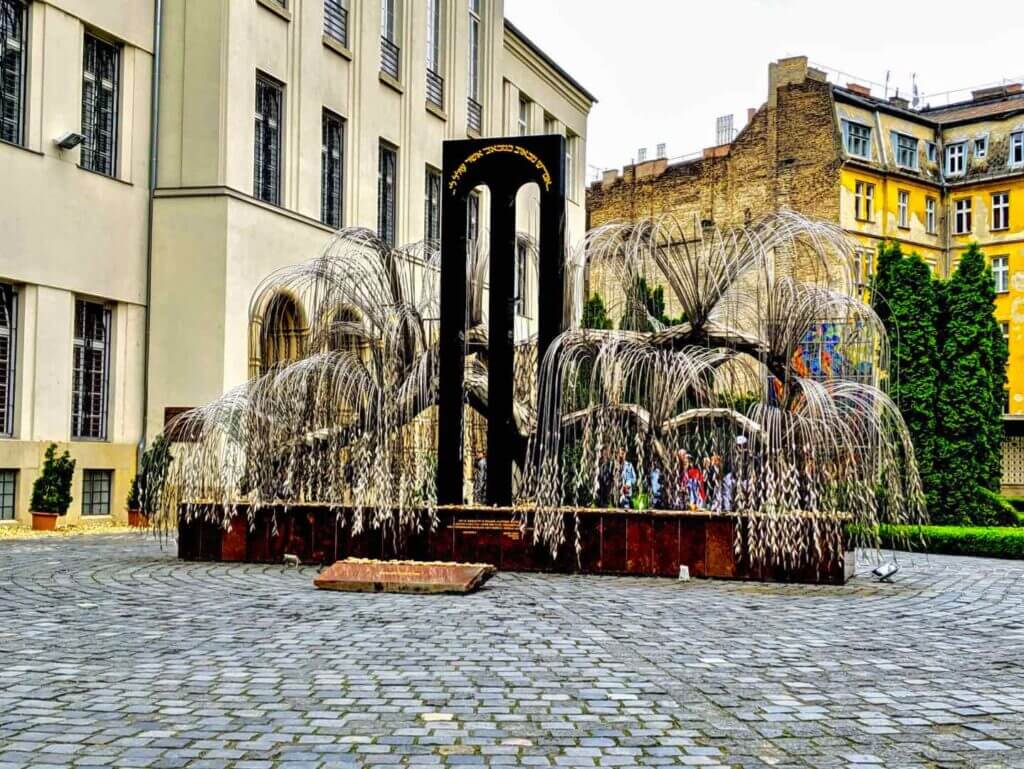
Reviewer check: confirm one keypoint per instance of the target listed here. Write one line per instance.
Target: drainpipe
(154, 122)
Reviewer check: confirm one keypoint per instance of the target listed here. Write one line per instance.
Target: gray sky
(663, 70)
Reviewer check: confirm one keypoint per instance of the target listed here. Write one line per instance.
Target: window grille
(267, 170)
(90, 370)
(100, 71)
(336, 21)
(8, 494)
(8, 356)
(432, 206)
(96, 492)
(435, 89)
(387, 172)
(332, 169)
(390, 58)
(12, 70)
(474, 115)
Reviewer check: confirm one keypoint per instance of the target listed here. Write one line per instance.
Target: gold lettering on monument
(491, 149)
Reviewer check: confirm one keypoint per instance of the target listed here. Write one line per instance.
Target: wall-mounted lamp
(69, 140)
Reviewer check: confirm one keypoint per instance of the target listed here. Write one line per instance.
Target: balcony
(475, 115)
(435, 89)
(336, 22)
(390, 56)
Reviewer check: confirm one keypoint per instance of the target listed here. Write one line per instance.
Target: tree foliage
(644, 303)
(904, 298)
(595, 315)
(972, 376)
(947, 374)
(51, 491)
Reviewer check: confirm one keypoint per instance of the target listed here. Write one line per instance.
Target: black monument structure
(503, 166)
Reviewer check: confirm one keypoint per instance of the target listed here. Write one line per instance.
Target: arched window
(283, 333)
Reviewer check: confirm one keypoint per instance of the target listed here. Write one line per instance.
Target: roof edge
(541, 54)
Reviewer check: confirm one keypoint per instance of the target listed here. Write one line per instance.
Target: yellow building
(276, 122)
(932, 178)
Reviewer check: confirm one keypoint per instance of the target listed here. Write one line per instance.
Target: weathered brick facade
(787, 156)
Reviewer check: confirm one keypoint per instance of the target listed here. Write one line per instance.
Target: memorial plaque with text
(366, 576)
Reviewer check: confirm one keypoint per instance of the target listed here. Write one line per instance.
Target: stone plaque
(368, 576)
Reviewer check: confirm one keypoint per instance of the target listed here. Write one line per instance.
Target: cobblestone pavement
(113, 653)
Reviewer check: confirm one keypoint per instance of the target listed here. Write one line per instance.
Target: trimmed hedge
(993, 542)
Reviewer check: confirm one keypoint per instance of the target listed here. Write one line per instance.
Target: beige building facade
(276, 124)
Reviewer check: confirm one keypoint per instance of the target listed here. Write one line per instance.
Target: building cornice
(534, 57)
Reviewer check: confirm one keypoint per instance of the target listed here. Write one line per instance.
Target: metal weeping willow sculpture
(770, 375)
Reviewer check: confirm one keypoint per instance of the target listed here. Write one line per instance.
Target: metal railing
(475, 116)
(435, 88)
(336, 21)
(389, 58)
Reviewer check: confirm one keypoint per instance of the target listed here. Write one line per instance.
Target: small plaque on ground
(366, 576)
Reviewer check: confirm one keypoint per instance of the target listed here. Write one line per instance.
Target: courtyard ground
(113, 653)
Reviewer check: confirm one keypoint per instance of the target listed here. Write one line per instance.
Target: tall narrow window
(903, 208)
(472, 220)
(12, 70)
(332, 169)
(387, 179)
(390, 53)
(981, 147)
(435, 83)
(336, 20)
(523, 123)
(1017, 148)
(570, 165)
(1001, 273)
(863, 201)
(90, 370)
(267, 170)
(929, 215)
(8, 356)
(550, 124)
(432, 206)
(962, 216)
(1001, 211)
(100, 69)
(522, 250)
(955, 156)
(8, 493)
(96, 492)
(475, 114)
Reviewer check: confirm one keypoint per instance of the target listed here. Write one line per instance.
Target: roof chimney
(859, 89)
(899, 101)
(996, 91)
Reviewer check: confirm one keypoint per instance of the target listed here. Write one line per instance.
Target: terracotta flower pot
(44, 521)
(137, 520)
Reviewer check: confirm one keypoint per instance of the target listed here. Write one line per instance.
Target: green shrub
(51, 491)
(985, 542)
(995, 510)
(1017, 503)
(147, 485)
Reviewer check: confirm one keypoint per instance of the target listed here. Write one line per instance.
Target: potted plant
(148, 483)
(51, 492)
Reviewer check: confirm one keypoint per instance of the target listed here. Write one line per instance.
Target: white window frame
(434, 33)
(957, 151)
(849, 139)
(1000, 211)
(932, 151)
(1016, 157)
(980, 146)
(903, 209)
(929, 215)
(863, 201)
(1001, 273)
(962, 216)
